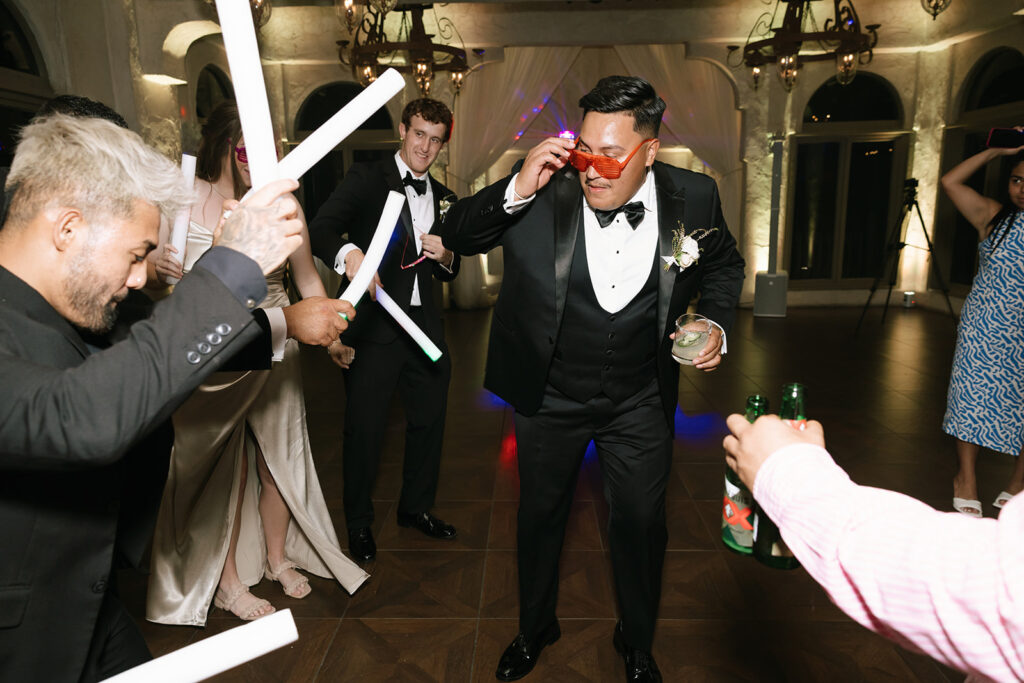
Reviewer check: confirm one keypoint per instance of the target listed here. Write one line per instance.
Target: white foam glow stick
(340, 126)
(179, 231)
(417, 334)
(250, 90)
(379, 243)
(218, 653)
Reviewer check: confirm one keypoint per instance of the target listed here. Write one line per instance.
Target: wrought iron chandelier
(935, 7)
(412, 51)
(260, 11)
(841, 38)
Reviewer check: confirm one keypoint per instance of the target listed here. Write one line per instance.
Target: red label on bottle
(797, 424)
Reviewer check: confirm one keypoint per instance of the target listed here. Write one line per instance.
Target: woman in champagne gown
(221, 530)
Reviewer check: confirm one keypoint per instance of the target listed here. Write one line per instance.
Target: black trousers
(117, 643)
(634, 447)
(377, 371)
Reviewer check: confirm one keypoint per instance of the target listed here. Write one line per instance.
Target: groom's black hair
(627, 94)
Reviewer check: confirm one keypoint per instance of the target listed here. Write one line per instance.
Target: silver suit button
(214, 338)
(193, 357)
(204, 348)
(223, 329)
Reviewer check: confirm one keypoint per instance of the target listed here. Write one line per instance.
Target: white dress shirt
(421, 207)
(618, 257)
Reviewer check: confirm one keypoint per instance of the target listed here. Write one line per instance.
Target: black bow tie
(634, 214)
(419, 185)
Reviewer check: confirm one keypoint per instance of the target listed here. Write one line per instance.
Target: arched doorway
(991, 97)
(849, 163)
(373, 140)
(212, 87)
(24, 85)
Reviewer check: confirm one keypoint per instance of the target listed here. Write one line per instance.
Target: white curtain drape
(701, 114)
(497, 102)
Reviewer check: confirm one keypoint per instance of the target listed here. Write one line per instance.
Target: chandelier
(839, 39)
(934, 7)
(412, 51)
(260, 11)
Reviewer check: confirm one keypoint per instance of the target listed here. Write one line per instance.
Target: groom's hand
(540, 164)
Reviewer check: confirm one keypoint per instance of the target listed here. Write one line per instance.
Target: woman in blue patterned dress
(985, 406)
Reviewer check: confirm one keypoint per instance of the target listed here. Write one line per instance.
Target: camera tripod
(893, 249)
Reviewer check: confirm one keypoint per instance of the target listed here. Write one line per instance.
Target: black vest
(601, 352)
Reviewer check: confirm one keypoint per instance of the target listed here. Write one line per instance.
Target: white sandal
(1002, 499)
(967, 506)
(228, 602)
(293, 589)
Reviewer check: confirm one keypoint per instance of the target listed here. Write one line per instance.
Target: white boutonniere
(686, 249)
(444, 205)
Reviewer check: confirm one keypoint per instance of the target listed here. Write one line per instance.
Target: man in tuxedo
(580, 343)
(386, 358)
(86, 198)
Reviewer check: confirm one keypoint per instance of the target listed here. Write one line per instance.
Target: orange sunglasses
(606, 167)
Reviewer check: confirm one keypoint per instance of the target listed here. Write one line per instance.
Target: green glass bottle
(769, 548)
(737, 501)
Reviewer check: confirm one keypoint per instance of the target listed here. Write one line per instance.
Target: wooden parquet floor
(436, 611)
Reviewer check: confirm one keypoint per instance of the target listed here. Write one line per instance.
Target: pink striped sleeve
(940, 583)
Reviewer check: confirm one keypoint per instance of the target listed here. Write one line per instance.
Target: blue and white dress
(986, 390)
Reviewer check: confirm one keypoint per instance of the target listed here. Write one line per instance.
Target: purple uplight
(567, 135)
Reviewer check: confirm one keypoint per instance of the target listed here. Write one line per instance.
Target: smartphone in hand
(1005, 137)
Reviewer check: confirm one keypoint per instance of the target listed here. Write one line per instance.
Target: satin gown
(225, 421)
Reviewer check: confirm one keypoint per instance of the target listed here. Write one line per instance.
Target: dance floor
(444, 611)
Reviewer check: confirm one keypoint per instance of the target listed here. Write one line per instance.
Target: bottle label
(737, 515)
(800, 424)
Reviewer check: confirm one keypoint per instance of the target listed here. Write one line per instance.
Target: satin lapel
(671, 202)
(395, 183)
(568, 205)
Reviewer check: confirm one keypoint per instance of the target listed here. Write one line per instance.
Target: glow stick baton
(218, 653)
(379, 243)
(250, 89)
(179, 231)
(408, 325)
(340, 126)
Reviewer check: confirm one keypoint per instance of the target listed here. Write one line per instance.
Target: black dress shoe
(640, 665)
(428, 524)
(520, 657)
(361, 545)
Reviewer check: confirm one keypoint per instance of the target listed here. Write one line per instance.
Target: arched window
(24, 85)
(991, 96)
(212, 87)
(15, 46)
(844, 190)
(373, 140)
(867, 98)
(996, 79)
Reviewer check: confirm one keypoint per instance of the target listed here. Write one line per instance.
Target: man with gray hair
(86, 198)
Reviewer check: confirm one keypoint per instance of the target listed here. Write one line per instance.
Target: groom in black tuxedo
(580, 343)
(386, 358)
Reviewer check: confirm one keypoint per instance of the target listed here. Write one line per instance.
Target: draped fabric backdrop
(497, 101)
(534, 93)
(701, 114)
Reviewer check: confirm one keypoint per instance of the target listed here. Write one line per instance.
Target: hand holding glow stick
(218, 653)
(379, 243)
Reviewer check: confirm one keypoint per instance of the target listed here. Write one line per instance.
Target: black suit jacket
(538, 246)
(73, 434)
(351, 214)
